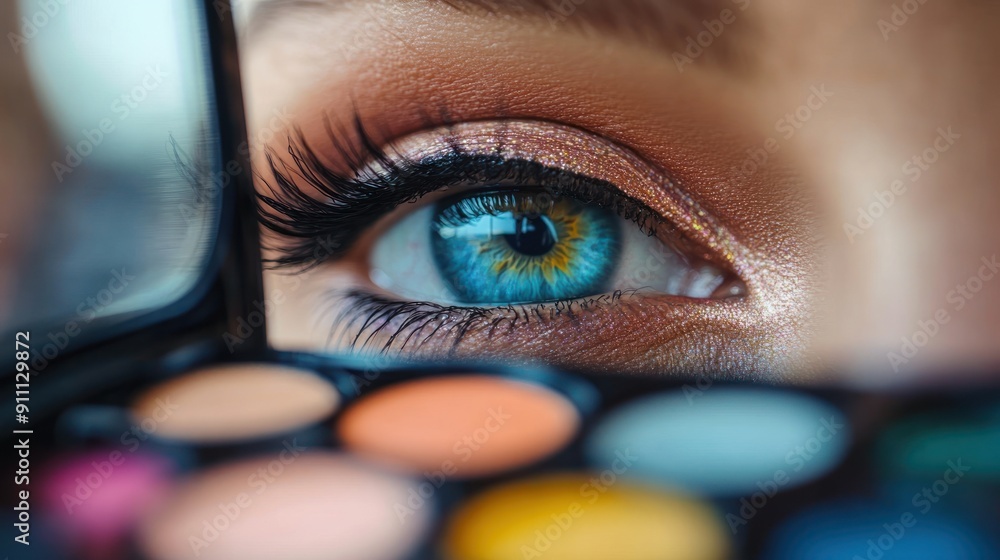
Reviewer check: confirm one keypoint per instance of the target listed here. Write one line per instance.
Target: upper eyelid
(513, 171)
(506, 136)
(621, 167)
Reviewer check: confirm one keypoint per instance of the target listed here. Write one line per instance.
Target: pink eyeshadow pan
(95, 498)
(311, 506)
(459, 426)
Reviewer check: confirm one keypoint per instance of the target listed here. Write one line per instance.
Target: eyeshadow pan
(723, 441)
(865, 529)
(578, 517)
(920, 446)
(235, 402)
(95, 498)
(312, 506)
(459, 426)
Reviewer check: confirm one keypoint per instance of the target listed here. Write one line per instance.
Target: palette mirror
(108, 224)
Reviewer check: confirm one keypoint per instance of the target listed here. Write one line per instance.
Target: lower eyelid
(638, 332)
(570, 334)
(367, 321)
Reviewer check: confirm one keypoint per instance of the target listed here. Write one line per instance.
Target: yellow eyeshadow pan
(235, 402)
(459, 426)
(572, 517)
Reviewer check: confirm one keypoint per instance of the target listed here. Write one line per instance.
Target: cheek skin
(626, 95)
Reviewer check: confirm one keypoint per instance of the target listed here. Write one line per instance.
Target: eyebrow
(681, 29)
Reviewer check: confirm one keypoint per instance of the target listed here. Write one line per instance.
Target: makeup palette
(175, 432)
(479, 464)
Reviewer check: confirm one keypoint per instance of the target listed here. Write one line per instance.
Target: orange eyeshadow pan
(459, 426)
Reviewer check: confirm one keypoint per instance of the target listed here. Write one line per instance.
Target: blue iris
(520, 247)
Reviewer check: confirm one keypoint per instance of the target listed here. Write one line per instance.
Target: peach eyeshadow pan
(235, 402)
(460, 426)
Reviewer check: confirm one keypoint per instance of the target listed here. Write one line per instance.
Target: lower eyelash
(366, 316)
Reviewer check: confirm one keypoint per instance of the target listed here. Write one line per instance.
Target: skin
(824, 297)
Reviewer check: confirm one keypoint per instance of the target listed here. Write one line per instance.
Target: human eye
(484, 231)
(531, 233)
(385, 150)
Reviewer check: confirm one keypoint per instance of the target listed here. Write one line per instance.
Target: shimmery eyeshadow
(235, 402)
(579, 517)
(459, 426)
(296, 505)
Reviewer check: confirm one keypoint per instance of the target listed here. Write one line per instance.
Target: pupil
(533, 235)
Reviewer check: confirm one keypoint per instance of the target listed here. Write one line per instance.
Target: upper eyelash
(318, 230)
